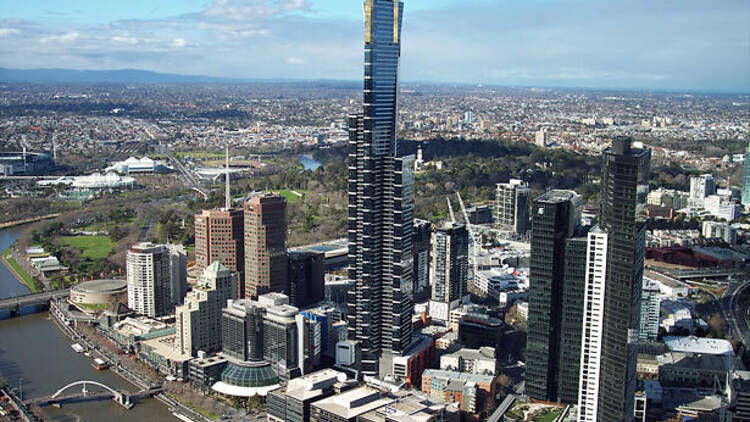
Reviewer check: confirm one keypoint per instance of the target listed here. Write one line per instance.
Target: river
(9, 286)
(309, 163)
(36, 356)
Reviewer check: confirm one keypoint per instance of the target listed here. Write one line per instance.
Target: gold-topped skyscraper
(381, 202)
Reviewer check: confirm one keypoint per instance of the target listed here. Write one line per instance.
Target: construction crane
(450, 209)
(476, 238)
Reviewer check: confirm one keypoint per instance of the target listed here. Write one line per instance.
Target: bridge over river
(66, 395)
(14, 304)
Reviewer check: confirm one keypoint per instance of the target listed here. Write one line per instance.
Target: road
(735, 310)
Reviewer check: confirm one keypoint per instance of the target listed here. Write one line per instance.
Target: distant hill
(103, 76)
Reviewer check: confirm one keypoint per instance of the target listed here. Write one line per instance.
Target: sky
(622, 44)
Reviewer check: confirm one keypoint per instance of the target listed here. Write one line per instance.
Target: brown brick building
(265, 245)
(219, 236)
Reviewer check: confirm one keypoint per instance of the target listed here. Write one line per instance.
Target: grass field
(19, 272)
(290, 196)
(92, 247)
(198, 155)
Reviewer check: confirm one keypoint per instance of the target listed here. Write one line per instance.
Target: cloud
(124, 40)
(248, 10)
(63, 38)
(618, 43)
(4, 32)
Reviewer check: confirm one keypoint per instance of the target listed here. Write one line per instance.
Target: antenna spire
(228, 196)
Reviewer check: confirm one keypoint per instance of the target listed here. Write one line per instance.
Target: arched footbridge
(101, 391)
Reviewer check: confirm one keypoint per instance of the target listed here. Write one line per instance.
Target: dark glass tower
(381, 200)
(555, 217)
(624, 187)
(450, 253)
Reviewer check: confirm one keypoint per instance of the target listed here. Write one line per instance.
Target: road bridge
(15, 304)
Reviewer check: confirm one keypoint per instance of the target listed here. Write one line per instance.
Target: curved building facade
(98, 294)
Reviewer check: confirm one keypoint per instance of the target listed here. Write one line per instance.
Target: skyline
(540, 43)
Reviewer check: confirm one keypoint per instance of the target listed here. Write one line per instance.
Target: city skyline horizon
(618, 46)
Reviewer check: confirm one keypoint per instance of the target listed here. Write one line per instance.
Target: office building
(346, 407)
(475, 394)
(381, 201)
(512, 201)
(746, 179)
(480, 361)
(281, 346)
(701, 187)
(177, 273)
(720, 230)
(422, 246)
(246, 374)
(574, 284)
(149, 279)
(449, 269)
(306, 278)
(555, 215)
(650, 305)
(477, 330)
(292, 403)
(219, 236)
(722, 207)
(618, 268)
(198, 319)
(265, 245)
(593, 306)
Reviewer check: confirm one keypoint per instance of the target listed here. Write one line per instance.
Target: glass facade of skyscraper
(381, 200)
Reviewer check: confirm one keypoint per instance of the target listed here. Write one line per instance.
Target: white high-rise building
(541, 138)
(148, 276)
(650, 304)
(512, 203)
(198, 320)
(701, 187)
(593, 318)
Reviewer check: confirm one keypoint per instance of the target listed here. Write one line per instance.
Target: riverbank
(27, 220)
(18, 272)
(143, 382)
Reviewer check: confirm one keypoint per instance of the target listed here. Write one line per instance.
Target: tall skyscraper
(650, 303)
(622, 227)
(746, 179)
(265, 245)
(512, 206)
(593, 326)
(381, 201)
(555, 295)
(177, 273)
(219, 236)
(198, 320)
(149, 279)
(422, 246)
(450, 263)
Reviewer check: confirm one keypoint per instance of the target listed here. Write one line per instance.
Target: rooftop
(353, 403)
(100, 286)
(453, 375)
(711, 346)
